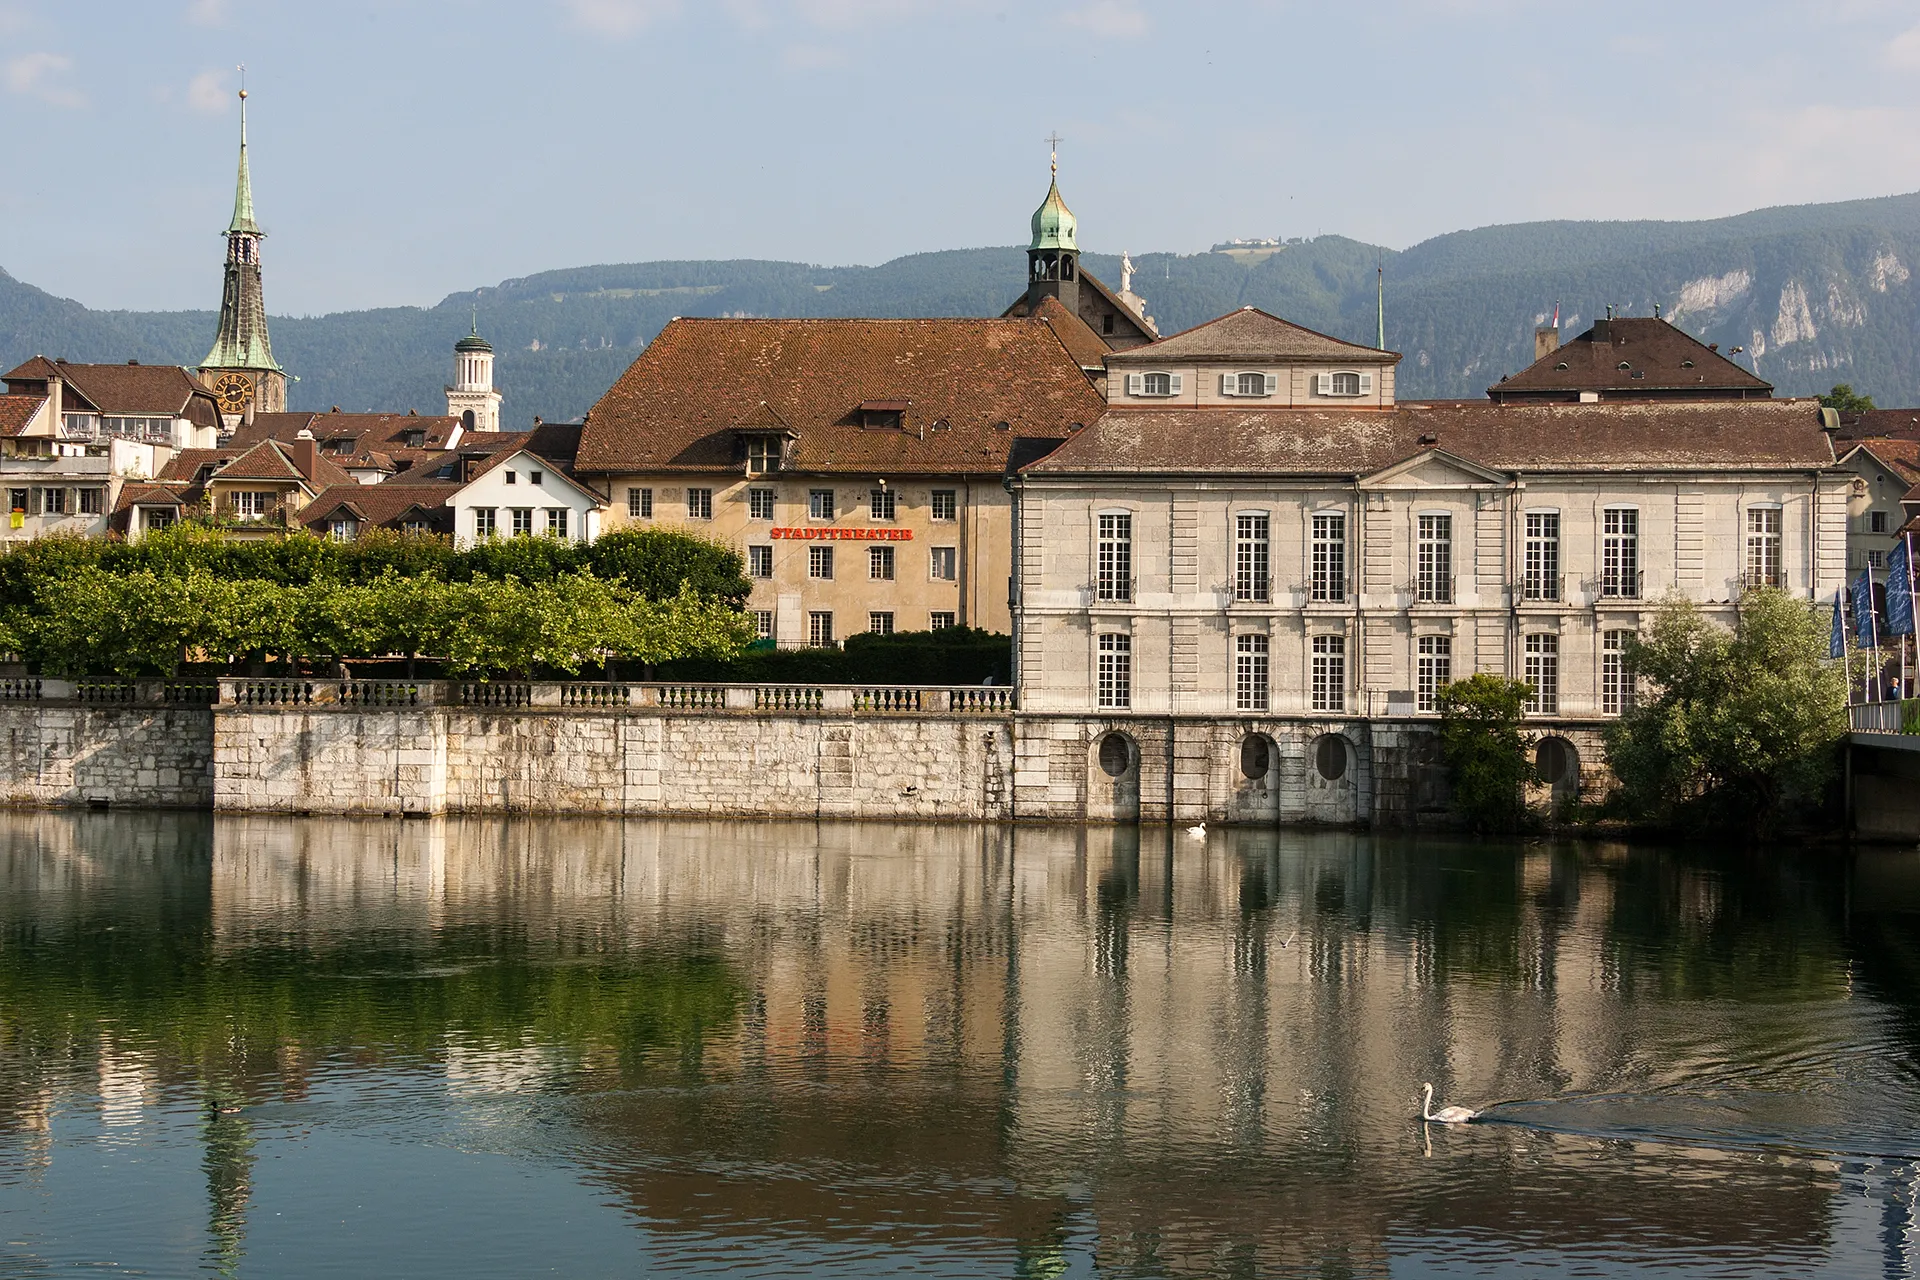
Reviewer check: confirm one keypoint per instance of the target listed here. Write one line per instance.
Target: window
(880, 563)
(880, 504)
(699, 504)
(483, 522)
(640, 504)
(1250, 673)
(1114, 560)
(342, 530)
(1616, 677)
(1542, 566)
(1116, 670)
(1329, 673)
(416, 527)
(763, 455)
(1620, 552)
(940, 620)
(759, 562)
(944, 504)
(1434, 667)
(1877, 523)
(1433, 577)
(534, 478)
(820, 504)
(522, 521)
(157, 517)
(1248, 384)
(251, 504)
(880, 624)
(946, 564)
(1543, 673)
(1156, 384)
(557, 521)
(79, 426)
(1329, 557)
(1250, 558)
(1345, 384)
(763, 624)
(17, 499)
(513, 477)
(53, 501)
(1763, 547)
(820, 630)
(1876, 559)
(90, 502)
(819, 562)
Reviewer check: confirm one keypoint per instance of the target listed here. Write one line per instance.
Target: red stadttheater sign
(846, 535)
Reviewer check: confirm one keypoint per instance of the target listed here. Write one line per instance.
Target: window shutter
(1173, 383)
(1366, 384)
(1135, 382)
(1323, 383)
(1226, 384)
(1273, 383)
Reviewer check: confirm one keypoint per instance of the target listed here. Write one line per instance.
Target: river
(497, 1048)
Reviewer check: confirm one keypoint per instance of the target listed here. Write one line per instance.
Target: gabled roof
(1897, 424)
(1088, 348)
(126, 389)
(185, 464)
(1633, 356)
(386, 505)
(270, 460)
(554, 467)
(367, 430)
(18, 412)
(1901, 457)
(973, 384)
(1626, 435)
(1252, 335)
(764, 417)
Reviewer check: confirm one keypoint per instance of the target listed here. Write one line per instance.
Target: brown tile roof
(1616, 436)
(366, 430)
(153, 493)
(1902, 457)
(1137, 331)
(271, 460)
(185, 465)
(972, 386)
(1088, 348)
(122, 389)
(16, 412)
(1660, 359)
(1897, 424)
(387, 505)
(1251, 334)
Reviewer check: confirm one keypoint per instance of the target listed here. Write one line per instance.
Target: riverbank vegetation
(1485, 750)
(89, 608)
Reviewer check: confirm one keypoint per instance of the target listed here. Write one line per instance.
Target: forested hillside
(1817, 294)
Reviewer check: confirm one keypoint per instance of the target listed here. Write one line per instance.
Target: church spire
(243, 190)
(241, 369)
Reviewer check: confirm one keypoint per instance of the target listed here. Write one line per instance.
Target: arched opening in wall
(1256, 756)
(466, 419)
(1330, 757)
(1116, 755)
(1556, 763)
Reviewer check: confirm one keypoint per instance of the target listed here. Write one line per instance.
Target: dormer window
(764, 454)
(1154, 385)
(1255, 385)
(1345, 383)
(340, 444)
(413, 439)
(883, 415)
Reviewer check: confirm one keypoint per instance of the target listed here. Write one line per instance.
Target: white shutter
(1273, 383)
(1174, 381)
(1366, 384)
(1134, 384)
(1226, 384)
(1323, 383)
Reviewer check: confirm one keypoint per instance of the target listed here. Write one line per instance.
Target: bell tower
(472, 398)
(1053, 256)
(240, 370)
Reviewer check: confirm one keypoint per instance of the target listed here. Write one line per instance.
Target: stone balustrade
(535, 695)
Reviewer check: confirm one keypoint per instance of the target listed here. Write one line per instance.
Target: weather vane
(1053, 140)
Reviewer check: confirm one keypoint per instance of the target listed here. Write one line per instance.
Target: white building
(529, 492)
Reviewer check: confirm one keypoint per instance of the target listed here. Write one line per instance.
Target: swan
(1445, 1115)
(1199, 832)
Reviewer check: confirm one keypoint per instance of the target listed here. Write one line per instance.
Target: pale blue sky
(403, 150)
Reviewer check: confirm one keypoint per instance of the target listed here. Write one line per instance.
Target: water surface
(338, 1048)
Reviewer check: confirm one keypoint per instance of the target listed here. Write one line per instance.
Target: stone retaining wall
(150, 757)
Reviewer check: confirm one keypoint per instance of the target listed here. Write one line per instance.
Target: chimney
(1603, 330)
(305, 452)
(1546, 341)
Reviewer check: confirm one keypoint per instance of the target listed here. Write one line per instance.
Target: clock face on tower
(233, 390)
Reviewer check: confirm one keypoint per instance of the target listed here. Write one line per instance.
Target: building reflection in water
(1175, 1056)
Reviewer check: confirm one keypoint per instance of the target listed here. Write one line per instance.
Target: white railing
(1881, 717)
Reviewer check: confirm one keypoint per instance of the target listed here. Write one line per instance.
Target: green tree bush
(1843, 398)
(1743, 727)
(656, 563)
(1485, 751)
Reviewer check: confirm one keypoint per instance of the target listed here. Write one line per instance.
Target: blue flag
(1899, 591)
(1837, 645)
(1864, 629)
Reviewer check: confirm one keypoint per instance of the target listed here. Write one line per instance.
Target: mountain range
(1816, 294)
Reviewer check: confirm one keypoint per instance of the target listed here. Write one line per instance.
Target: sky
(407, 149)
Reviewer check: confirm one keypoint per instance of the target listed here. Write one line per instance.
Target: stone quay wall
(425, 748)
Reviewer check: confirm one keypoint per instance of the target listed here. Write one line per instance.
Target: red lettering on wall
(846, 535)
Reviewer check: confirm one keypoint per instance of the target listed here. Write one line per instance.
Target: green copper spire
(243, 192)
(1054, 226)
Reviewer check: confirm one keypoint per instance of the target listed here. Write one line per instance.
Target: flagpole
(1846, 650)
(1906, 542)
(1879, 686)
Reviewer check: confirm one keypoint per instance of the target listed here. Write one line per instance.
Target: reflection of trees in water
(227, 1159)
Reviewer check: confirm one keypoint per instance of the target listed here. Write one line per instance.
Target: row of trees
(1737, 729)
(75, 608)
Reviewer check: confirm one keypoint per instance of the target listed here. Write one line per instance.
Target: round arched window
(1256, 756)
(1116, 754)
(1330, 757)
(1555, 761)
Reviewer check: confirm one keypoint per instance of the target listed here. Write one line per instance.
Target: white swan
(1199, 832)
(1445, 1115)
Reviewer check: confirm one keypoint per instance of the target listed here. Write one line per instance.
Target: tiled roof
(1899, 456)
(152, 494)
(1658, 358)
(1898, 424)
(366, 430)
(1251, 334)
(1088, 348)
(971, 386)
(123, 389)
(271, 460)
(16, 412)
(386, 505)
(186, 464)
(1609, 436)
